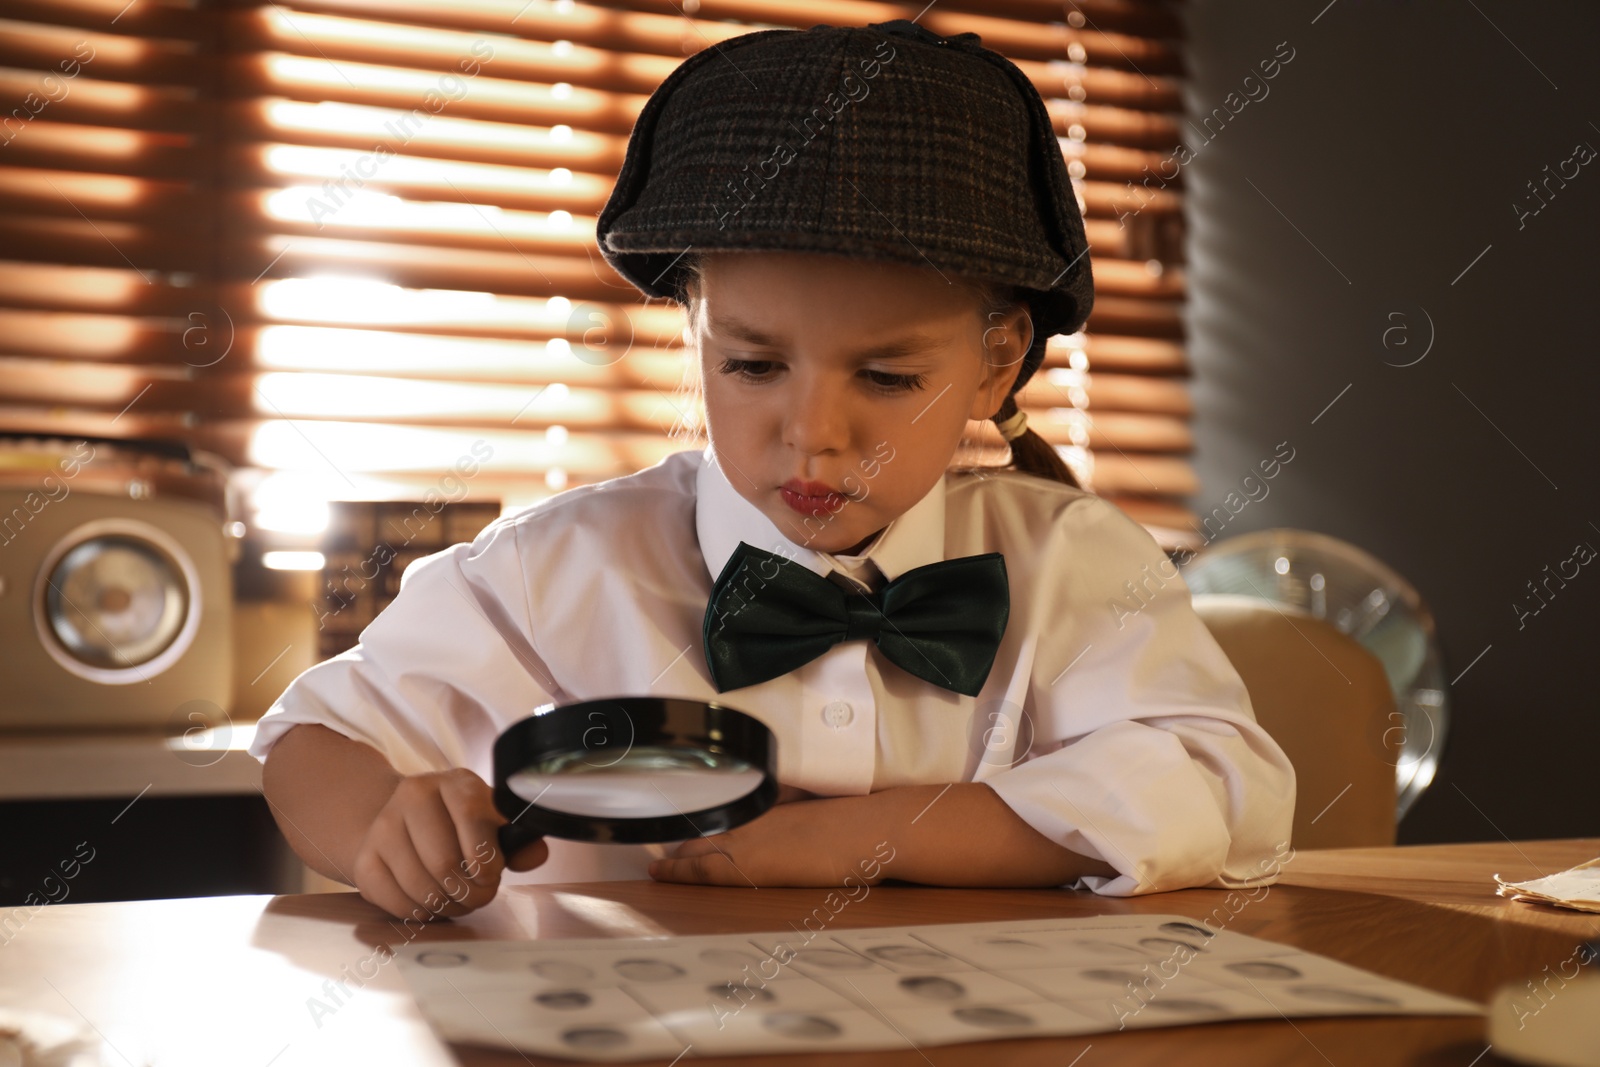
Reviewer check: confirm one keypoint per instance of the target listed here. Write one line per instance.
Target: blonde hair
(1030, 453)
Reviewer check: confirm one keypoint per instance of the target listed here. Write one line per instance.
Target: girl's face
(837, 389)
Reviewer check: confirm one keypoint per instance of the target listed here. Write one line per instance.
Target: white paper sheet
(889, 987)
(1577, 888)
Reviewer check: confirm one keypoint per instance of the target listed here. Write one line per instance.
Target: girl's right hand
(433, 849)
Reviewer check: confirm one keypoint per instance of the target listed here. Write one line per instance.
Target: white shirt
(1124, 735)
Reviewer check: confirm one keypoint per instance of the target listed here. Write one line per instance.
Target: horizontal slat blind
(354, 238)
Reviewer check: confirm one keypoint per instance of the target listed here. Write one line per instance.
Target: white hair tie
(1014, 427)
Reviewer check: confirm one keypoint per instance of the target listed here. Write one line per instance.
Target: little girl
(872, 233)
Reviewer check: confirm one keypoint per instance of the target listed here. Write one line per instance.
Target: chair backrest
(1327, 702)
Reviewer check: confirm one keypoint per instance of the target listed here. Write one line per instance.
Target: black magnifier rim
(668, 722)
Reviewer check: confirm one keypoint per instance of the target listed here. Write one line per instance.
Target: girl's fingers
(423, 889)
(434, 862)
(434, 850)
(388, 872)
(703, 861)
(698, 846)
(470, 804)
(529, 856)
(708, 869)
(380, 888)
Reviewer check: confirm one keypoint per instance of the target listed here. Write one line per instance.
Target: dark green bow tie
(769, 615)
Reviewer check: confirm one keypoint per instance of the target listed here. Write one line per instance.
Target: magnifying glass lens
(632, 770)
(646, 781)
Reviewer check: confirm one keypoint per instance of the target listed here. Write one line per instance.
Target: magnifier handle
(514, 837)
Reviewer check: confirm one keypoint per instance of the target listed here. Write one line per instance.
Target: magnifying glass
(632, 770)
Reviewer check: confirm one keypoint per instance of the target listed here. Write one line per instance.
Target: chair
(1328, 704)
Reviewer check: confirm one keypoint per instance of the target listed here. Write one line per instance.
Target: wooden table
(231, 980)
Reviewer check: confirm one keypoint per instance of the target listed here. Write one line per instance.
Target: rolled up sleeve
(440, 670)
(1145, 751)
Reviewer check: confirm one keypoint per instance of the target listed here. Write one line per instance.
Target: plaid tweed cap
(886, 142)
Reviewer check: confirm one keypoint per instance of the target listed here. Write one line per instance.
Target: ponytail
(1030, 453)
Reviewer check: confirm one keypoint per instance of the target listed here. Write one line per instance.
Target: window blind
(351, 242)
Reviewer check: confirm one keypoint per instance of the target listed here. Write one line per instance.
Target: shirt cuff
(437, 673)
(312, 699)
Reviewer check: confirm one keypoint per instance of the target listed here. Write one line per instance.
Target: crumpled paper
(1577, 888)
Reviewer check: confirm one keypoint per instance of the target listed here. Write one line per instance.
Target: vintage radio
(115, 584)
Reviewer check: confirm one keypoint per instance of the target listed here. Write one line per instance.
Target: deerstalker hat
(886, 142)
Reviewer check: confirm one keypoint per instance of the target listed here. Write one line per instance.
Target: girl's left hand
(801, 843)
(788, 794)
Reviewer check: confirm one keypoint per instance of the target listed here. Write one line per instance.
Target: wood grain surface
(251, 980)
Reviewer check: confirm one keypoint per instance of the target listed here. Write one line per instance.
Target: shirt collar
(723, 518)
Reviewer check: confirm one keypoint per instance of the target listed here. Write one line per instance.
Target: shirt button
(838, 714)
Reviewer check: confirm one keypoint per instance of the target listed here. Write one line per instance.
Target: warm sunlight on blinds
(354, 239)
